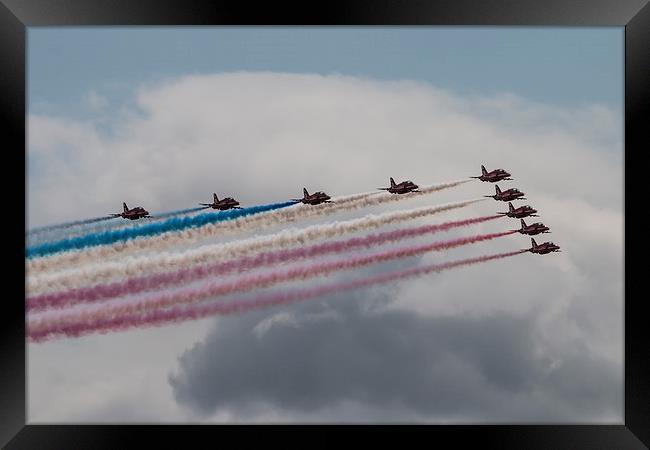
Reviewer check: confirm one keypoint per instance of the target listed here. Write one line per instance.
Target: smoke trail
(78, 223)
(49, 228)
(251, 222)
(42, 330)
(104, 227)
(158, 281)
(178, 212)
(251, 282)
(99, 273)
(149, 229)
(41, 235)
(128, 224)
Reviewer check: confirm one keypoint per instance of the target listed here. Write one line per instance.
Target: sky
(162, 117)
(567, 66)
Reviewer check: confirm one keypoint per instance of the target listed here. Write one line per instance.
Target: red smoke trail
(156, 281)
(124, 318)
(242, 284)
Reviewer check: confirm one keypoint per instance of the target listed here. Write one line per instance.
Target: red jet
(542, 249)
(506, 196)
(494, 176)
(518, 213)
(132, 214)
(223, 204)
(402, 188)
(533, 229)
(314, 199)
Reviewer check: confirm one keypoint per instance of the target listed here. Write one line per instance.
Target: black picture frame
(16, 15)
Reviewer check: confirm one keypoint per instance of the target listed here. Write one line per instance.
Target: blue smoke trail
(68, 224)
(178, 212)
(173, 224)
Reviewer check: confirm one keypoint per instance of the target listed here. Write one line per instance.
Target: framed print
(368, 213)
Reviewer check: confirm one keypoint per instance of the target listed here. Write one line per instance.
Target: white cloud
(117, 378)
(95, 101)
(263, 135)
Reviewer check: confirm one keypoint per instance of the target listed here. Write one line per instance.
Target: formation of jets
(406, 187)
(518, 213)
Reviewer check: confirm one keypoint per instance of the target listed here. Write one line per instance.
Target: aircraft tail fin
(126, 208)
(496, 186)
(512, 208)
(304, 191)
(483, 170)
(214, 195)
(532, 241)
(392, 182)
(523, 224)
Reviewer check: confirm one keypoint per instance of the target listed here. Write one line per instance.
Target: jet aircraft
(402, 188)
(506, 196)
(223, 204)
(544, 248)
(533, 229)
(132, 214)
(493, 176)
(518, 213)
(313, 199)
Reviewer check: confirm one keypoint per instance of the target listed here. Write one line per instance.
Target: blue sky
(563, 66)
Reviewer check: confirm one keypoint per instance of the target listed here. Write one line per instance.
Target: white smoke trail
(142, 265)
(193, 235)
